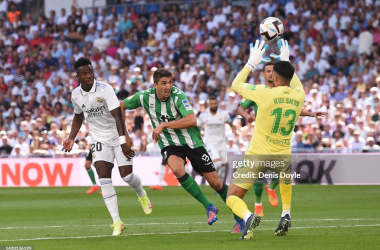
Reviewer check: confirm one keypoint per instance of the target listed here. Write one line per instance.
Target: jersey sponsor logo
(99, 100)
(151, 105)
(95, 112)
(83, 106)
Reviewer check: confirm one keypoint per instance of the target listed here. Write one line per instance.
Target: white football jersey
(214, 125)
(96, 105)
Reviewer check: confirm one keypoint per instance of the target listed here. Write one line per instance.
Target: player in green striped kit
(175, 129)
(246, 104)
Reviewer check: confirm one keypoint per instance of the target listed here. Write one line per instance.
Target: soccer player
(175, 129)
(279, 109)
(258, 187)
(88, 163)
(96, 102)
(214, 121)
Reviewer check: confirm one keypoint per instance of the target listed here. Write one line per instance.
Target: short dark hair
(212, 98)
(284, 69)
(81, 62)
(267, 64)
(158, 74)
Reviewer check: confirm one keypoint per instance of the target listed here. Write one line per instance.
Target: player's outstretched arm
(77, 123)
(245, 114)
(186, 122)
(284, 55)
(312, 114)
(124, 137)
(255, 58)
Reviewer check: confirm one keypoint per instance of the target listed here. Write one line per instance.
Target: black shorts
(89, 156)
(199, 158)
(164, 161)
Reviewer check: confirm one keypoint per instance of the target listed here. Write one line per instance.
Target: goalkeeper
(278, 110)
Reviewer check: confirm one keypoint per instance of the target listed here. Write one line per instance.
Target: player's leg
(286, 197)
(161, 175)
(272, 192)
(202, 163)
(88, 163)
(243, 179)
(132, 179)
(215, 157)
(103, 158)
(258, 188)
(176, 161)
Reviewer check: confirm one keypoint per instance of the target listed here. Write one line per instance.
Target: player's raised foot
(283, 226)
(146, 204)
(157, 187)
(259, 210)
(252, 222)
(272, 196)
(212, 211)
(118, 227)
(92, 189)
(239, 227)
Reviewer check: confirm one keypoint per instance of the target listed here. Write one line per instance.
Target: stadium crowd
(335, 48)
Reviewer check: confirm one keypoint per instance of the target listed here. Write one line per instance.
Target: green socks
(191, 186)
(273, 184)
(258, 188)
(92, 177)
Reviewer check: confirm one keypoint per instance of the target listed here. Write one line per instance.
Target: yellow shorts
(253, 167)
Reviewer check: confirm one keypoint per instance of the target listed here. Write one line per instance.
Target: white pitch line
(186, 232)
(179, 223)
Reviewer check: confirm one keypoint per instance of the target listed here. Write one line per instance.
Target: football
(271, 29)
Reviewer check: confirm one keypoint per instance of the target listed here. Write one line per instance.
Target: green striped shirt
(172, 109)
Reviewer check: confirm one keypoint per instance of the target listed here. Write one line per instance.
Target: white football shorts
(109, 151)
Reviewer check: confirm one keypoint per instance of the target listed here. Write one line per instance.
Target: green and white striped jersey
(172, 109)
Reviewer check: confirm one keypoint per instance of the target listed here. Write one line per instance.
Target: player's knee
(178, 171)
(125, 170)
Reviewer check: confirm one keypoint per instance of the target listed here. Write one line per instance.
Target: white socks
(135, 183)
(246, 216)
(110, 198)
(161, 174)
(285, 212)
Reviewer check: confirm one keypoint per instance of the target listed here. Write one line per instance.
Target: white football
(271, 29)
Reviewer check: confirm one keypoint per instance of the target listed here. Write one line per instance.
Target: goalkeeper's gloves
(256, 55)
(284, 51)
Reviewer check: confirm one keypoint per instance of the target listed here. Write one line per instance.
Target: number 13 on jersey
(278, 114)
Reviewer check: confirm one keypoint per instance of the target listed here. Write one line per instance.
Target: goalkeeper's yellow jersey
(278, 111)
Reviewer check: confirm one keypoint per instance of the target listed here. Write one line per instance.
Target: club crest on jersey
(99, 100)
(187, 105)
(93, 155)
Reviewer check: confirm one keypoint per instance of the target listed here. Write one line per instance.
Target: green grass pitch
(323, 217)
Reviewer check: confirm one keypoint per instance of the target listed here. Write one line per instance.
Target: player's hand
(129, 141)
(127, 151)
(284, 51)
(319, 114)
(249, 118)
(256, 54)
(67, 145)
(156, 132)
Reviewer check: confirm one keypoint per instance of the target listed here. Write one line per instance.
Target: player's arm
(189, 119)
(256, 57)
(245, 104)
(131, 102)
(312, 114)
(76, 125)
(115, 110)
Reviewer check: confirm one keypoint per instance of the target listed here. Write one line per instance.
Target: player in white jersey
(96, 102)
(214, 121)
